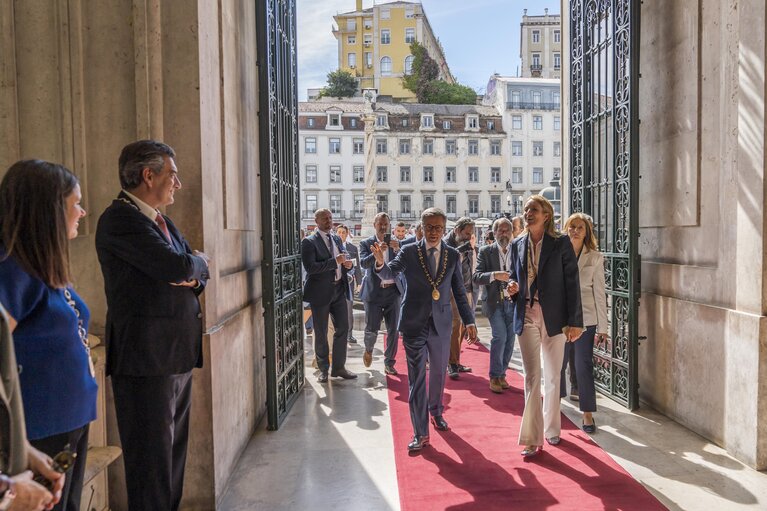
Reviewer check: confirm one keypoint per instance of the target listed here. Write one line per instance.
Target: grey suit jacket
(488, 263)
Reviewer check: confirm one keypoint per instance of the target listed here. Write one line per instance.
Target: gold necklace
(434, 284)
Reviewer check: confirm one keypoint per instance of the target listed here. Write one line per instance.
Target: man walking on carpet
(433, 273)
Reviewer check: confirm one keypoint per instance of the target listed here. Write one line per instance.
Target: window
(516, 175)
(358, 173)
(536, 36)
(352, 39)
(351, 24)
(515, 98)
(428, 146)
(495, 204)
(381, 121)
(473, 204)
(537, 175)
(404, 204)
(383, 202)
(557, 123)
(446, 125)
(516, 122)
(557, 36)
(351, 60)
(450, 203)
(380, 146)
(359, 145)
(428, 201)
(311, 204)
(334, 146)
(335, 173)
(473, 146)
(409, 35)
(557, 148)
(473, 174)
(369, 59)
(516, 148)
(310, 122)
(311, 173)
(537, 122)
(495, 174)
(491, 125)
(385, 14)
(409, 11)
(334, 120)
(495, 147)
(405, 122)
(404, 146)
(310, 145)
(537, 98)
(385, 36)
(353, 122)
(537, 60)
(472, 122)
(537, 148)
(409, 64)
(359, 203)
(557, 61)
(428, 174)
(557, 173)
(382, 174)
(404, 174)
(368, 23)
(450, 146)
(450, 174)
(557, 99)
(386, 66)
(427, 120)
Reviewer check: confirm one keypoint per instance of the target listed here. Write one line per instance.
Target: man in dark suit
(432, 271)
(154, 323)
(460, 239)
(416, 236)
(492, 274)
(327, 291)
(354, 277)
(381, 296)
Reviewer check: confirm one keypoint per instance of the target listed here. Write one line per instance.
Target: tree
(425, 83)
(341, 84)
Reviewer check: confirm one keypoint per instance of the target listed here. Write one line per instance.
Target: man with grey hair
(517, 226)
(492, 274)
(432, 272)
(460, 239)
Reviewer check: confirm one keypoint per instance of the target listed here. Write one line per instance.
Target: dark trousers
(76, 441)
(428, 345)
(384, 307)
(153, 420)
(583, 350)
(337, 311)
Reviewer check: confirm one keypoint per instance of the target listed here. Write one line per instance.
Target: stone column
(371, 204)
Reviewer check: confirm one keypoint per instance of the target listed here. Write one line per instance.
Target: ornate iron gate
(280, 201)
(604, 180)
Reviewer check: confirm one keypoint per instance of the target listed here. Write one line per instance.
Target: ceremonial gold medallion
(435, 294)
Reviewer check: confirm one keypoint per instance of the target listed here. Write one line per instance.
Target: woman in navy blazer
(544, 277)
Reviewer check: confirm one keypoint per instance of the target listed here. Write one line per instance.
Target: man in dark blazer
(381, 296)
(416, 236)
(327, 290)
(433, 273)
(459, 239)
(354, 277)
(154, 323)
(492, 273)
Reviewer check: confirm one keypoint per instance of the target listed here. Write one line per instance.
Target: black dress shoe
(452, 371)
(352, 340)
(418, 443)
(463, 369)
(322, 378)
(589, 428)
(343, 373)
(390, 370)
(439, 423)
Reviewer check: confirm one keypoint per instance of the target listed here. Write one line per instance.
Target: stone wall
(78, 80)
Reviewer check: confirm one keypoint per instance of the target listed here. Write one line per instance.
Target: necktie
(163, 226)
(330, 247)
(433, 261)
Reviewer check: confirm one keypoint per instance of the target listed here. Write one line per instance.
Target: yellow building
(374, 45)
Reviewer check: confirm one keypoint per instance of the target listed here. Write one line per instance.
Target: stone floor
(335, 452)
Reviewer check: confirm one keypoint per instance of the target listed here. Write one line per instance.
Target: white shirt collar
(145, 208)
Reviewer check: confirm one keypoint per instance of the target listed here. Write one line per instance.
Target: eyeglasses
(433, 228)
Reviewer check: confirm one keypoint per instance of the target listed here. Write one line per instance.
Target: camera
(387, 238)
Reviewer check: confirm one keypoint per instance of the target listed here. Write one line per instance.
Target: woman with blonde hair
(591, 273)
(547, 312)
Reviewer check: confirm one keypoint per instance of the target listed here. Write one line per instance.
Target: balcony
(528, 105)
(535, 70)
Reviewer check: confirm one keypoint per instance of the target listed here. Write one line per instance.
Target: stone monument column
(371, 204)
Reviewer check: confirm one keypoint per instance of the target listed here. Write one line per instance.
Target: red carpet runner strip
(476, 465)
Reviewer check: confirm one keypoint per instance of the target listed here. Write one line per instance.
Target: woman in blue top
(39, 213)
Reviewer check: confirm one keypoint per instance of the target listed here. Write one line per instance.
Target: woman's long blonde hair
(549, 226)
(589, 241)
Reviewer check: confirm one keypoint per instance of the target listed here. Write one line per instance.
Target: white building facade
(540, 45)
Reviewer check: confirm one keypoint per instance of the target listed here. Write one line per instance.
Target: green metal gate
(280, 201)
(604, 177)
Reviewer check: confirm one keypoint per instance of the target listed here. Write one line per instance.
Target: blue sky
(480, 37)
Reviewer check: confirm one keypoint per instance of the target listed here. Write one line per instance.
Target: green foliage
(341, 84)
(424, 82)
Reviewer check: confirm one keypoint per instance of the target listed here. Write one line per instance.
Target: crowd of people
(539, 287)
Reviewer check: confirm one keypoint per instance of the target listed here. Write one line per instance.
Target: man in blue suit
(327, 291)
(432, 270)
(381, 295)
(354, 276)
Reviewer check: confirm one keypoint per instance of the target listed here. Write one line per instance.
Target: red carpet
(476, 464)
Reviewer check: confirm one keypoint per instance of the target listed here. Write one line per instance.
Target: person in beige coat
(591, 273)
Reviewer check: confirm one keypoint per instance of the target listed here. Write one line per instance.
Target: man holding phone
(381, 296)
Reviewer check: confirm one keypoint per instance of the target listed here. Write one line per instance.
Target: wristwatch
(8, 492)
